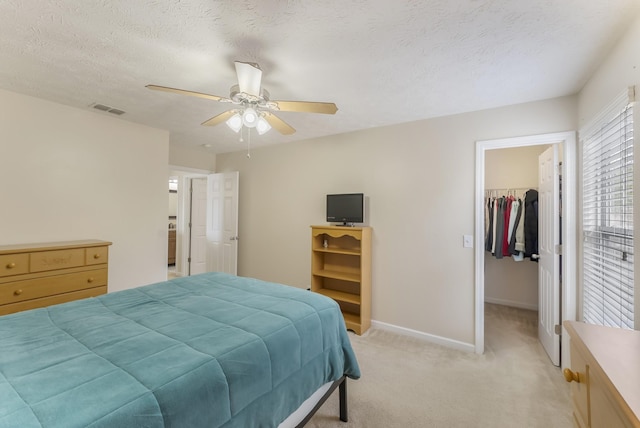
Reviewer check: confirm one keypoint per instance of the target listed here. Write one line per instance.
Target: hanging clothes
(489, 226)
(511, 225)
(519, 243)
(507, 219)
(496, 205)
(531, 224)
(517, 236)
(497, 248)
(514, 219)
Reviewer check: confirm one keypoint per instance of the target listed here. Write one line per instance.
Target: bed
(210, 350)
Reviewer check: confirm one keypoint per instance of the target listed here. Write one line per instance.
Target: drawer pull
(571, 376)
(11, 265)
(17, 292)
(96, 256)
(90, 280)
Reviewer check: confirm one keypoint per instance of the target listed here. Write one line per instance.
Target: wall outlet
(467, 241)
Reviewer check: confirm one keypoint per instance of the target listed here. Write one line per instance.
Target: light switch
(467, 241)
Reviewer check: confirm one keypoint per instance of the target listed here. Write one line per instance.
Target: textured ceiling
(382, 62)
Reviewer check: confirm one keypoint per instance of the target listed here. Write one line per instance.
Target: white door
(198, 226)
(549, 264)
(222, 222)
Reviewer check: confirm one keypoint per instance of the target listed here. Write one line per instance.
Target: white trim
(569, 242)
(568, 141)
(438, 340)
(186, 169)
(511, 303)
(636, 214)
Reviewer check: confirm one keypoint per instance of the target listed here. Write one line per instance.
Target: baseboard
(439, 340)
(513, 304)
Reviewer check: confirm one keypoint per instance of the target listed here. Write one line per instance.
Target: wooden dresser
(605, 376)
(38, 275)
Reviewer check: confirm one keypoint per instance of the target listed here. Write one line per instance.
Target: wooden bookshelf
(341, 270)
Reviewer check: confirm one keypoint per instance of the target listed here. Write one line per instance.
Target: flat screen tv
(345, 208)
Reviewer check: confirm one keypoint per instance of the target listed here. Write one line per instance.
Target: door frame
(569, 243)
(184, 174)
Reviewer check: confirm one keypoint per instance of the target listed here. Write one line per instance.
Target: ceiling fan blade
(305, 106)
(222, 117)
(191, 93)
(280, 125)
(249, 77)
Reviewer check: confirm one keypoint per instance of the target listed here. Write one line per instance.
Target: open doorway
(567, 142)
(206, 225)
(173, 219)
(183, 178)
(513, 268)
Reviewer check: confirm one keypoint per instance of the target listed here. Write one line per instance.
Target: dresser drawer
(57, 259)
(52, 300)
(14, 264)
(604, 411)
(580, 390)
(97, 255)
(47, 286)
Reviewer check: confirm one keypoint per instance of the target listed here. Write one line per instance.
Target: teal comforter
(211, 350)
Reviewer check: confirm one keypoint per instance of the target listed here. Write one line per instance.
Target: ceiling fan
(252, 106)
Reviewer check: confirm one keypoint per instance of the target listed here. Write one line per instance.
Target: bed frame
(342, 385)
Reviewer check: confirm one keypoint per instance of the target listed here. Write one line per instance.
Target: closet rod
(510, 188)
(507, 191)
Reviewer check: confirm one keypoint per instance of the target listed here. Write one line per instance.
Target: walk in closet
(511, 271)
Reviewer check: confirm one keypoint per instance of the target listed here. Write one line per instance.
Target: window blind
(607, 216)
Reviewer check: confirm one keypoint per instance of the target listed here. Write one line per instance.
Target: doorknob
(234, 238)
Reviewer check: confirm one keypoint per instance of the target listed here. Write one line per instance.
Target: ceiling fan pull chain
(248, 143)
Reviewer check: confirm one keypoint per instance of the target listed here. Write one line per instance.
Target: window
(607, 216)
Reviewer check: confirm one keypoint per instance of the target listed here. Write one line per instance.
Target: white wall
(198, 158)
(506, 281)
(620, 70)
(419, 178)
(72, 174)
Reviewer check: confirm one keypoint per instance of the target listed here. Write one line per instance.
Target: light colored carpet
(407, 382)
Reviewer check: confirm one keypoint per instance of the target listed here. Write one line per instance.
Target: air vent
(108, 109)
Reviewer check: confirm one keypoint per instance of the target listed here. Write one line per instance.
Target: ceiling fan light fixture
(263, 126)
(235, 122)
(251, 103)
(250, 117)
